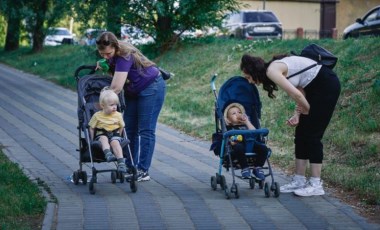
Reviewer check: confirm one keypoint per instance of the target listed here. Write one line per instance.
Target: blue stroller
(238, 90)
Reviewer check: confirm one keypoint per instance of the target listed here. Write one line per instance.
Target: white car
(58, 36)
(135, 35)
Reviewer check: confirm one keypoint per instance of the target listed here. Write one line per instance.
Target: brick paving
(38, 121)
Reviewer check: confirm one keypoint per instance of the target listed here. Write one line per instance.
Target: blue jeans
(140, 116)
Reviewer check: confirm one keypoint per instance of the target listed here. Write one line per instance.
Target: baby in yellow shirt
(107, 126)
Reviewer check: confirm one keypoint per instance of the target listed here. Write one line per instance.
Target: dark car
(253, 24)
(368, 25)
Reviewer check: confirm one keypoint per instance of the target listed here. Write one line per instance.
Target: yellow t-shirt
(109, 122)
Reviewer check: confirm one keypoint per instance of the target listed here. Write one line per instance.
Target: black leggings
(258, 160)
(322, 94)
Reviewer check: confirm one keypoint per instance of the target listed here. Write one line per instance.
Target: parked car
(58, 36)
(135, 35)
(253, 24)
(369, 24)
(90, 36)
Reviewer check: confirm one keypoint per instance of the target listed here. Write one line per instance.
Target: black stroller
(238, 90)
(88, 89)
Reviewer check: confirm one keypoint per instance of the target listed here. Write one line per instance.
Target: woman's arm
(118, 81)
(277, 73)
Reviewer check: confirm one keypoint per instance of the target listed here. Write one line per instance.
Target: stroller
(88, 89)
(238, 90)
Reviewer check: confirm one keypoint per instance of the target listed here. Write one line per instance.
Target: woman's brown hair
(256, 67)
(123, 49)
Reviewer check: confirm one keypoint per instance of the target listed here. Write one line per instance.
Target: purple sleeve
(123, 64)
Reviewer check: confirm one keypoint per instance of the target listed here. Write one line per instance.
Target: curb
(49, 217)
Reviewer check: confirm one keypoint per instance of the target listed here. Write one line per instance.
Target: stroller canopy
(237, 89)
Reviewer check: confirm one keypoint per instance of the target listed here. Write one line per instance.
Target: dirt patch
(370, 212)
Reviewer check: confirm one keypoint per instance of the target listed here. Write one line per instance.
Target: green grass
(21, 203)
(352, 141)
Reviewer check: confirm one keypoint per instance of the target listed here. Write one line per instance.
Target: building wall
(306, 13)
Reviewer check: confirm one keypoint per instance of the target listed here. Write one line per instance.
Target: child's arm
(247, 122)
(92, 132)
(121, 131)
(122, 125)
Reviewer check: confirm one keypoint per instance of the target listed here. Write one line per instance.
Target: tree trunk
(113, 18)
(13, 31)
(165, 37)
(38, 32)
(13, 34)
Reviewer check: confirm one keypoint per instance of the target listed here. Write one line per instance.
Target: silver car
(253, 24)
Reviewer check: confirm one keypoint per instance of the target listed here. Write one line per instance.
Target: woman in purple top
(144, 90)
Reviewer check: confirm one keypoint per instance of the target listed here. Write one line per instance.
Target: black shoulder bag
(318, 54)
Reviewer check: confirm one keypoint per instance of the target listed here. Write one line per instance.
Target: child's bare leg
(116, 148)
(106, 149)
(118, 151)
(104, 141)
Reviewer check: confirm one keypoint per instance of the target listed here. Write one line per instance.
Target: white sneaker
(311, 189)
(143, 176)
(293, 185)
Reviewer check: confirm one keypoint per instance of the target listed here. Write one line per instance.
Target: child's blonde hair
(230, 106)
(108, 95)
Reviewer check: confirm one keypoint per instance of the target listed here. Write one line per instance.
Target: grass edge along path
(22, 203)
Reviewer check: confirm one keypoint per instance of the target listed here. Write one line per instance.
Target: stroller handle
(212, 82)
(84, 67)
(255, 132)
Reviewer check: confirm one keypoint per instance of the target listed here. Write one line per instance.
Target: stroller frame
(251, 137)
(93, 150)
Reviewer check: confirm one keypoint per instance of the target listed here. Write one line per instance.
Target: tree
(165, 20)
(101, 14)
(37, 15)
(12, 11)
(41, 15)
(168, 19)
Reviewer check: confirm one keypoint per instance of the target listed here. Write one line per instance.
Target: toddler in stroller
(236, 119)
(107, 126)
(238, 96)
(94, 146)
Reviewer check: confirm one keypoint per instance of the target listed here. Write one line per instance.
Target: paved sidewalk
(38, 123)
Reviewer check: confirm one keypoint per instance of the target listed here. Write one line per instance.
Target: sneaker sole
(147, 178)
(314, 194)
(288, 191)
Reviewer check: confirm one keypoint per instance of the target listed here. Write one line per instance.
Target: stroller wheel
(214, 183)
(133, 185)
(235, 190)
(76, 177)
(113, 177)
(227, 193)
(121, 177)
(223, 183)
(252, 183)
(261, 184)
(84, 177)
(91, 187)
(266, 190)
(276, 189)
